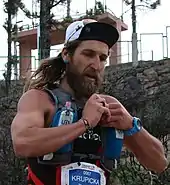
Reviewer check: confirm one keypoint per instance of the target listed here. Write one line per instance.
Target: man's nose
(96, 64)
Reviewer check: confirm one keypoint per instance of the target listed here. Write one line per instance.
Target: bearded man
(60, 117)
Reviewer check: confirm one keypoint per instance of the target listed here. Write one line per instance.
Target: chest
(85, 143)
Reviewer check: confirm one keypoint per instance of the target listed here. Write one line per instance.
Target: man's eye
(103, 58)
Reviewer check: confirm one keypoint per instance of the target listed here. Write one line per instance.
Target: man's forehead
(95, 46)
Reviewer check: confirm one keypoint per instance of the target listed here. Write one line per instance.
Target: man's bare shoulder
(34, 98)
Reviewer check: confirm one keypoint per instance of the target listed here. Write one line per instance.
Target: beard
(85, 84)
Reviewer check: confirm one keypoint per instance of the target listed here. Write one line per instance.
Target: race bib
(83, 174)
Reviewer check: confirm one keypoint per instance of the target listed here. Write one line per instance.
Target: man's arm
(148, 150)
(31, 139)
(29, 136)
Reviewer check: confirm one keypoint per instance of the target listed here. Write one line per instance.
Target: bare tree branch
(57, 3)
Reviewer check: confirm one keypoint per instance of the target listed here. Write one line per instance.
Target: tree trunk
(44, 29)
(9, 62)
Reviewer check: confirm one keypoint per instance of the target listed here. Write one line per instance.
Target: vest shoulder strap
(60, 98)
(53, 97)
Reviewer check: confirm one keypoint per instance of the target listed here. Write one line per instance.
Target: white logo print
(91, 136)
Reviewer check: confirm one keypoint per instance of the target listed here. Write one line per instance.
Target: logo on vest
(91, 136)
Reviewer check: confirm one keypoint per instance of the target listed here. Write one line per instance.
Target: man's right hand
(94, 108)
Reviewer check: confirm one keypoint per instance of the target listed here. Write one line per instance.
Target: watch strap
(137, 126)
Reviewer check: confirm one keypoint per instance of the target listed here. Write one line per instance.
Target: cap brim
(100, 31)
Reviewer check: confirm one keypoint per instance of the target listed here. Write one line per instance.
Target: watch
(137, 126)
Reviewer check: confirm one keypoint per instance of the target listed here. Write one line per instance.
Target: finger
(104, 104)
(102, 101)
(107, 105)
(116, 111)
(103, 110)
(95, 96)
(107, 112)
(105, 117)
(114, 105)
(109, 98)
(114, 118)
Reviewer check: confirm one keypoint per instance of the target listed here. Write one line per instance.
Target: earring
(66, 61)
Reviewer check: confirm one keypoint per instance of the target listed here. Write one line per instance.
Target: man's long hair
(50, 71)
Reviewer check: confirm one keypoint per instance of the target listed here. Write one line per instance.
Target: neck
(64, 85)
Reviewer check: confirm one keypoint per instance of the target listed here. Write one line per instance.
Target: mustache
(93, 74)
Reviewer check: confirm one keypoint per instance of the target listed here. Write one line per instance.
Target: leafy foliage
(16, 5)
(147, 3)
(11, 8)
(97, 10)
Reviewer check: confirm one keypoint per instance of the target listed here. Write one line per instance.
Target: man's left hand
(120, 117)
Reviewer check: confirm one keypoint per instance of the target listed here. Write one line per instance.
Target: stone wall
(11, 169)
(137, 84)
(138, 87)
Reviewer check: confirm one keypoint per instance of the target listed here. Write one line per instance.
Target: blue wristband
(137, 126)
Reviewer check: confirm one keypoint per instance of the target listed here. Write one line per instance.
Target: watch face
(138, 124)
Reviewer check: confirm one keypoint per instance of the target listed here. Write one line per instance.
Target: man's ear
(65, 56)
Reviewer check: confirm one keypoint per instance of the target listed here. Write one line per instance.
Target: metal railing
(15, 69)
(159, 49)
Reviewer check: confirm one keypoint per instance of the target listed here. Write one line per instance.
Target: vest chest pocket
(63, 116)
